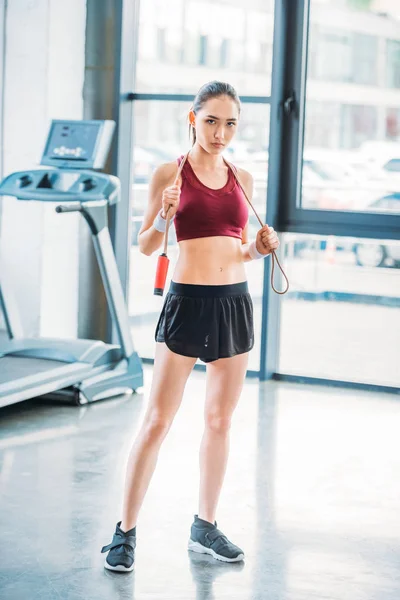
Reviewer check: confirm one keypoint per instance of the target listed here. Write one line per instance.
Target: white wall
(44, 72)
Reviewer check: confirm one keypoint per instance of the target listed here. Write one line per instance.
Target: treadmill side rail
(106, 385)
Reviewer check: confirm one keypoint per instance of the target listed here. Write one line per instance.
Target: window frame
(291, 216)
(289, 71)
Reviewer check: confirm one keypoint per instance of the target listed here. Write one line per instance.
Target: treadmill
(80, 370)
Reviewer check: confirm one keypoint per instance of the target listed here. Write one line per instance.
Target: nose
(219, 133)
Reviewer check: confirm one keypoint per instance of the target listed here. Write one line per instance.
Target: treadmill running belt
(22, 378)
(13, 367)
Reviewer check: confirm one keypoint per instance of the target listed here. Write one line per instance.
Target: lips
(218, 145)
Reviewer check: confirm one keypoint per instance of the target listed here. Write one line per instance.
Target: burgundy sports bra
(204, 212)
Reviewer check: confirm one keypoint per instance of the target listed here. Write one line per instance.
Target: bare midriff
(216, 260)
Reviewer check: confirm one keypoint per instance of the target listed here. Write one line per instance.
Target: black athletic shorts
(207, 321)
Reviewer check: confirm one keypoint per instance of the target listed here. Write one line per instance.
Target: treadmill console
(78, 144)
(73, 149)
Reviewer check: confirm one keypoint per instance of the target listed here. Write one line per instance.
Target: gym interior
(94, 97)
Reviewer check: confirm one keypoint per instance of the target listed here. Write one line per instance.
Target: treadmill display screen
(74, 142)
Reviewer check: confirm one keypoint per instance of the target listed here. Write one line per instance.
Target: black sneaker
(122, 550)
(205, 538)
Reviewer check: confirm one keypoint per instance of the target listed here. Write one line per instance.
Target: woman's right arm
(149, 238)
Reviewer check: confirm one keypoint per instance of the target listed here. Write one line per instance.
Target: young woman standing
(207, 314)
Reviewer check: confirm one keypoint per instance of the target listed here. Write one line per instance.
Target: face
(216, 123)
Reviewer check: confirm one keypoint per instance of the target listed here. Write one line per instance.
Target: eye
(231, 123)
(211, 121)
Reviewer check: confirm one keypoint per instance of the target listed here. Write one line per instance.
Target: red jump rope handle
(163, 260)
(161, 274)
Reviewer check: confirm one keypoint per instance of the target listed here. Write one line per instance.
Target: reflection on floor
(311, 494)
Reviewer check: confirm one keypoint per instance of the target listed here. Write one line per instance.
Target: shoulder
(245, 176)
(246, 179)
(165, 172)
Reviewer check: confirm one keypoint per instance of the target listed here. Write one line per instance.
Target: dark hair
(213, 89)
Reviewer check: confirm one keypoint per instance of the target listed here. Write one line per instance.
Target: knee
(156, 427)
(217, 423)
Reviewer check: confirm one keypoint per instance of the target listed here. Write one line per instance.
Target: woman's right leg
(170, 374)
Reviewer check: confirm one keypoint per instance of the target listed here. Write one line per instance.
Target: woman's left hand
(266, 240)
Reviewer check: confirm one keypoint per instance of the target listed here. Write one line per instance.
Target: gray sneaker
(205, 538)
(121, 551)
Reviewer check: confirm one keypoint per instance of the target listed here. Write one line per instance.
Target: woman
(207, 314)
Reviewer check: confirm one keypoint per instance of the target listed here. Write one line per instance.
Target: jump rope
(163, 260)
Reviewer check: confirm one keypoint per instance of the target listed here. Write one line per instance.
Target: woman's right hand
(170, 199)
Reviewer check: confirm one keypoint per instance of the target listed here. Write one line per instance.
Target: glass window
(161, 44)
(332, 54)
(203, 50)
(342, 55)
(214, 51)
(393, 124)
(191, 35)
(161, 135)
(322, 124)
(341, 317)
(364, 59)
(350, 156)
(224, 53)
(358, 125)
(190, 55)
(258, 45)
(393, 63)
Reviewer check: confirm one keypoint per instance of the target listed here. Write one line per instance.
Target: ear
(192, 118)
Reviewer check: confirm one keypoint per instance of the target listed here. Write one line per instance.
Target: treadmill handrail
(79, 206)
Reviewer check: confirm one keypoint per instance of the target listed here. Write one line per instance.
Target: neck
(203, 159)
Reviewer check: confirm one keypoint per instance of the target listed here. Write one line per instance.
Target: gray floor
(312, 495)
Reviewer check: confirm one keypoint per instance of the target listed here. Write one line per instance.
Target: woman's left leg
(225, 378)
